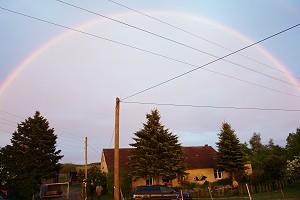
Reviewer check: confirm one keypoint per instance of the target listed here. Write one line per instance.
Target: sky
(70, 60)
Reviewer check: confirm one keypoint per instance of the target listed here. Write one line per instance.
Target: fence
(220, 191)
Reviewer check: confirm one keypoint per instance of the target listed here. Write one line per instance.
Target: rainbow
(22, 65)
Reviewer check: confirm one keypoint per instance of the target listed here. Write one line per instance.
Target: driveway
(74, 196)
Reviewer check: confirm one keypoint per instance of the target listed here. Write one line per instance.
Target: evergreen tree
(157, 151)
(32, 156)
(230, 156)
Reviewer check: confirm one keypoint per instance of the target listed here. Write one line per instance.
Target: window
(166, 190)
(164, 180)
(218, 174)
(149, 181)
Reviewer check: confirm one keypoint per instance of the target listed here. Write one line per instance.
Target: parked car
(2, 195)
(7, 195)
(159, 192)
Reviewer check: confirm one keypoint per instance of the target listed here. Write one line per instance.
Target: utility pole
(85, 142)
(116, 153)
(84, 195)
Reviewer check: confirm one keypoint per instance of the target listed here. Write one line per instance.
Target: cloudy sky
(71, 59)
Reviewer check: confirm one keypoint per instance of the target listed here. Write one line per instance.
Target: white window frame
(149, 181)
(218, 174)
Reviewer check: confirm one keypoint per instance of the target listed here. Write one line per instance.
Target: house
(199, 162)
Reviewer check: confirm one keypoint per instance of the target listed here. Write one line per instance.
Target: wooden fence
(220, 191)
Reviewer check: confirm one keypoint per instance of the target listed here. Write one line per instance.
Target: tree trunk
(232, 176)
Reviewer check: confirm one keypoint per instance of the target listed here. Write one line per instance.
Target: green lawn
(291, 192)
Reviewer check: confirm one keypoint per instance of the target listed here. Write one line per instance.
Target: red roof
(197, 157)
(124, 154)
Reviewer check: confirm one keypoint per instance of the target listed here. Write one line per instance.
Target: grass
(291, 192)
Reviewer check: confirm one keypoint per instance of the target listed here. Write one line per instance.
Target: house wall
(103, 165)
(248, 170)
(191, 177)
(138, 182)
(199, 173)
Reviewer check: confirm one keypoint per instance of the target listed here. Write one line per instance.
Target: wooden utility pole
(85, 142)
(86, 170)
(116, 153)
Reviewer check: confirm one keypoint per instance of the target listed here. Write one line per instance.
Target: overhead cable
(199, 67)
(3, 111)
(209, 106)
(9, 124)
(174, 41)
(159, 55)
(199, 37)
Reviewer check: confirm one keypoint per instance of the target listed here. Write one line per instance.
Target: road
(74, 196)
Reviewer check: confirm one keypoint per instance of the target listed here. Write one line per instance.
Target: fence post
(248, 191)
(210, 193)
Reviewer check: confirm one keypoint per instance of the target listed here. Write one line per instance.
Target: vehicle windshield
(166, 190)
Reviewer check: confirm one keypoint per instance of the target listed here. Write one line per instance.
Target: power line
(3, 111)
(160, 55)
(8, 121)
(69, 133)
(199, 37)
(96, 153)
(70, 140)
(56, 130)
(70, 145)
(215, 107)
(174, 41)
(8, 124)
(251, 83)
(111, 139)
(185, 73)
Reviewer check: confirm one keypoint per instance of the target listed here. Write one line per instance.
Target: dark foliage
(157, 153)
(32, 156)
(293, 144)
(230, 155)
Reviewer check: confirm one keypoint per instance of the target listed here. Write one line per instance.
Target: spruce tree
(157, 151)
(32, 155)
(230, 156)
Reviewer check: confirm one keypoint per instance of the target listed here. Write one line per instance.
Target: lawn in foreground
(291, 192)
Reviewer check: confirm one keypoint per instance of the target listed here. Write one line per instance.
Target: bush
(226, 181)
(189, 185)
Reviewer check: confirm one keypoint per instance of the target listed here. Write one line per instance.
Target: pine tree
(157, 151)
(230, 156)
(32, 155)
